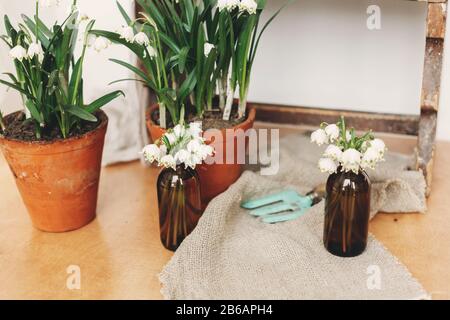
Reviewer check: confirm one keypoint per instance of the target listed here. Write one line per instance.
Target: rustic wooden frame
(423, 126)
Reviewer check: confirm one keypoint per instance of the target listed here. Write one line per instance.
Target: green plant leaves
(182, 57)
(187, 86)
(44, 33)
(10, 31)
(100, 102)
(31, 106)
(52, 90)
(81, 113)
(150, 83)
(75, 81)
(16, 87)
(124, 13)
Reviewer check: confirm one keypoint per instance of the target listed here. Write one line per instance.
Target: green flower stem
(242, 103)
(2, 123)
(37, 20)
(222, 84)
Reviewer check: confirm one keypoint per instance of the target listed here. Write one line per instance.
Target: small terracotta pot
(58, 180)
(214, 178)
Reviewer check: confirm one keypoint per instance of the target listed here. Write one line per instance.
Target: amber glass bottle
(179, 204)
(347, 210)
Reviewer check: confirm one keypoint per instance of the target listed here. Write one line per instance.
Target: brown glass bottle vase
(347, 210)
(179, 204)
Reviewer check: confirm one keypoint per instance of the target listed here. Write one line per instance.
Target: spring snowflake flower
(127, 33)
(18, 52)
(333, 152)
(152, 153)
(351, 160)
(90, 40)
(207, 48)
(379, 146)
(171, 138)
(319, 137)
(370, 158)
(193, 146)
(195, 129)
(346, 150)
(229, 5)
(163, 149)
(248, 5)
(205, 151)
(332, 132)
(168, 161)
(179, 131)
(193, 161)
(142, 39)
(180, 145)
(151, 52)
(35, 49)
(101, 43)
(182, 156)
(199, 149)
(327, 165)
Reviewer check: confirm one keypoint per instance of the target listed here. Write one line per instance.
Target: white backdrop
(316, 53)
(320, 53)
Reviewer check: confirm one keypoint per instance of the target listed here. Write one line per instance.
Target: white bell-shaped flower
(35, 49)
(327, 165)
(319, 137)
(142, 39)
(18, 52)
(127, 33)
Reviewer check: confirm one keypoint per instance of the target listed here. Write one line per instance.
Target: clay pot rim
(100, 115)
(251, 114)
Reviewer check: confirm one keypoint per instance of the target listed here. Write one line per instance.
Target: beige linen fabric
(232, 255)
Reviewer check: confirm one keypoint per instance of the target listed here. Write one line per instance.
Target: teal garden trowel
(283, 206)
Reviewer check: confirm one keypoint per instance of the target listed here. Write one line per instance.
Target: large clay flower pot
(214, 178)
(58, 180)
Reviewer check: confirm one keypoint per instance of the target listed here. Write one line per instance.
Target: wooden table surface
(119, 254)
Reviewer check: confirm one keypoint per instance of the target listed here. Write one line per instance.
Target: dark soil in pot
(17, 127)
(211, 119)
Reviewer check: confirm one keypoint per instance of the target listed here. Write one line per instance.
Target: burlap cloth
(232, 255)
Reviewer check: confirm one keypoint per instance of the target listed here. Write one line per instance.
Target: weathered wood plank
(436, 19)
(426, 145)
(430, 1)
(431, 85)
(392, 123)
(431, 82)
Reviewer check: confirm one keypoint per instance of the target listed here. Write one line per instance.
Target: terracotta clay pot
(214, 178)
(58, 180)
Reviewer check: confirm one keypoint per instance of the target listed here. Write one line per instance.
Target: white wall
(320, 53)
(316, 53)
